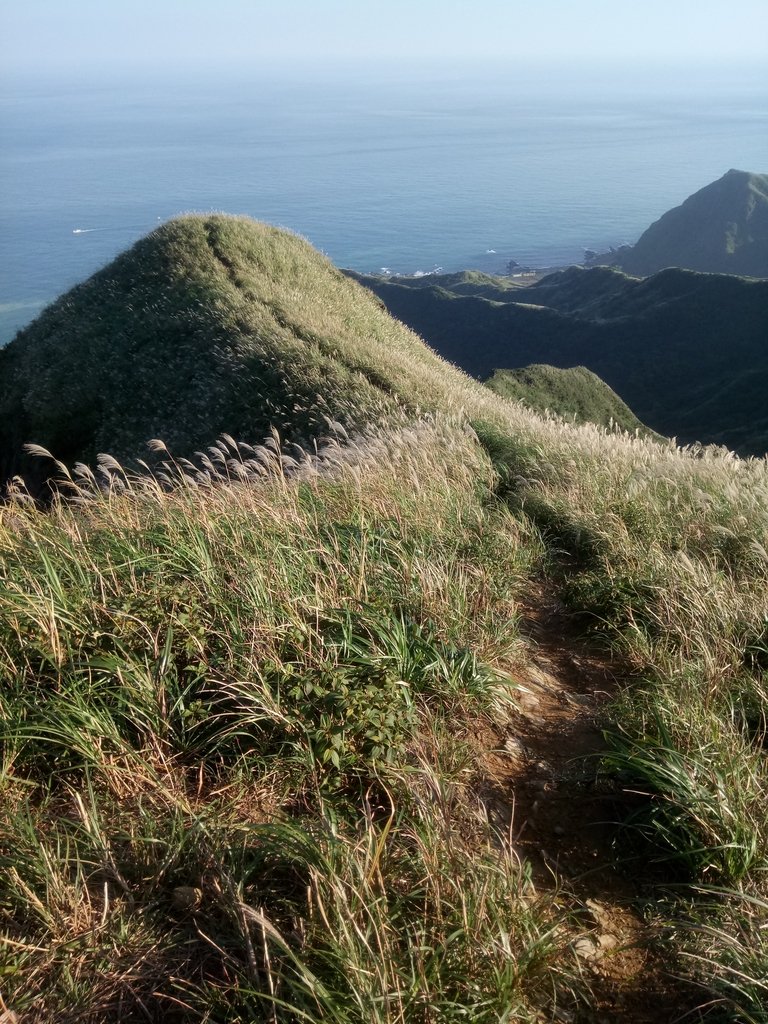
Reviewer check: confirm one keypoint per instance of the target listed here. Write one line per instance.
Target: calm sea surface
(408, 171)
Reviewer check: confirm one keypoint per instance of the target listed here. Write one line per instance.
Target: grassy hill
(209, 325)
(576, 394)
(455, 713)
(686, 351)
(721, 229)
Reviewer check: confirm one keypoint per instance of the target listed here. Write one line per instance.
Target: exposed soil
(545, 787)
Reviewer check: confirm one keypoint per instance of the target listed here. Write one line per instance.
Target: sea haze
(388, 168)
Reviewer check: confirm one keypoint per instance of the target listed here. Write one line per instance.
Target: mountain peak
(721, 229)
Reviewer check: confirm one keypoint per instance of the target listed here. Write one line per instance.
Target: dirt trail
(545, 788)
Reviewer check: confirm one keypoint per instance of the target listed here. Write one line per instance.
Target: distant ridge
(688, 352)
(721, 229)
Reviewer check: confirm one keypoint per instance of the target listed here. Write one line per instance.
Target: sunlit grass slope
(574, 393)
(209, 324)
(238, 717)
(243, 701)
(235, 782)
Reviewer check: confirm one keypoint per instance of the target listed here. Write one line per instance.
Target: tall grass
(662, 555)
(215, 684)
(217, 681)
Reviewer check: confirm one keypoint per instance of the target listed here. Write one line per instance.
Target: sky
(77, 34)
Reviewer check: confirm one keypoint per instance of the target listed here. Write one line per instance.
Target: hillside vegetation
(209, 325)
(721, 229)
(685, 351)
(576, 394)
(259, 707)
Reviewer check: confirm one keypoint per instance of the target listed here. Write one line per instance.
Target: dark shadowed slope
(721, 229)
(688, 352)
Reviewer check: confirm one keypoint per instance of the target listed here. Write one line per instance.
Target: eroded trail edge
(546, 789)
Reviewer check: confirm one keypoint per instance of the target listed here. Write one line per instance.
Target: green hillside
(575, 393)
(441, 711)
(674, 346)
(721, 229)
(209, 325)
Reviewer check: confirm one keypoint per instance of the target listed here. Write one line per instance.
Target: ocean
(398, 169)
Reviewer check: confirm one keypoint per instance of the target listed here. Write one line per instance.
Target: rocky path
(546, 789)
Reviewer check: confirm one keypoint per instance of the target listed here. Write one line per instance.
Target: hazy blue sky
(81, 33)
